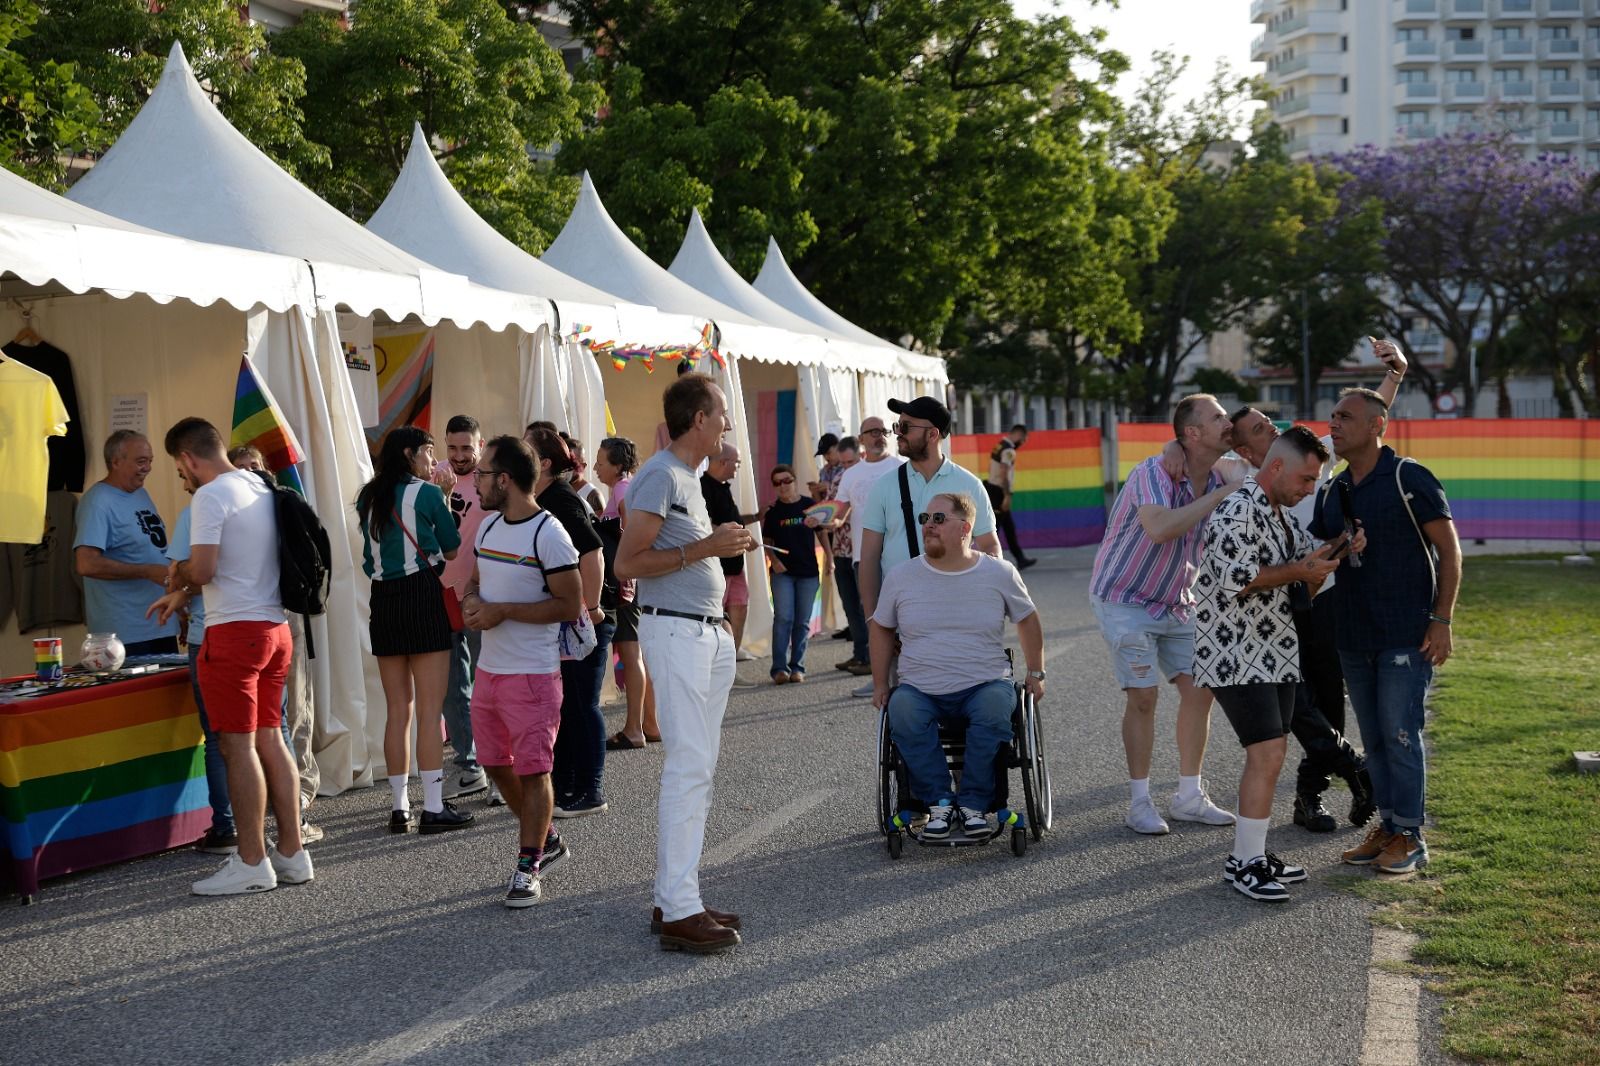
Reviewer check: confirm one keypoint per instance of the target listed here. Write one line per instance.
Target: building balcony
(1417, 132)
(1513, 90)
(1314, 64)
(1293, 106)
(1415, 10)
(1466, 51)
(1298, 147)
(1465, 92)
(1258, 48)
(1465, 9)
(1560, 48)
(1564, 91)
(1561, 9)
(1259, 9)
(1311, 105)
(1417, 52)
(1306, 24)
(1471, 125)
(1512, 9)
(1420, 92)
(1521, 48)
(1591, 131)
(1562, 132)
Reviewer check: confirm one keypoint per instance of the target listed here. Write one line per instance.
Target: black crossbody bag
(906, 512)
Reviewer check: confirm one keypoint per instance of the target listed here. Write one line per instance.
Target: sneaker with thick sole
(581, 809)
(1310, 814)
(1284, 873)
(1255, 880)
(1405, 854)
(524, 889)
(938, 824)
(1144, 818)
(554, 856)
(465, 783)
(309, 834)
(215, 843)
(236, 877)
(443, 821)
(494, 799)
(974, 823)
(1198, 808)
(1367, 852)
(291, 869)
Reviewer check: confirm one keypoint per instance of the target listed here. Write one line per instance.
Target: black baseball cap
(826, 441)
(926, 408)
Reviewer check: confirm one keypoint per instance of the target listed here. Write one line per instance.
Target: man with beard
(457, 478)
(855, 489)
(949, 611)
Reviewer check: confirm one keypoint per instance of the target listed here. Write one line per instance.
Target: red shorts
(737, 591)
(243, 667)
(515, 718)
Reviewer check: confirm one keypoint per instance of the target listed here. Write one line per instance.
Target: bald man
(716, 487)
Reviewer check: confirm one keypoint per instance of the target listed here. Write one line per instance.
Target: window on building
(1408, 119)
(1556, 114)
(1591, 158)
(1344, 125)
(1593, 115)
(1555, 73)
(1593, 32)
(1506, 33)
(1556, 33)
(1560, 155)
(1460, 33)
(1411, 33)
(1504, 74)
(1344, 44)
(1594, 73)
(1461, 77)
(1406, 77)
(1458, 118)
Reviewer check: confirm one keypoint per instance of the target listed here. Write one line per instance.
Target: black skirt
(408, 616)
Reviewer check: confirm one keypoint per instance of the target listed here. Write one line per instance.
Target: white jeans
(691, 669)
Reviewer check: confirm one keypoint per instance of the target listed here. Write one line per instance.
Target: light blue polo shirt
(883, 513)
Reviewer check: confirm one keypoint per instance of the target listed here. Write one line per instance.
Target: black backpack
(305, 557)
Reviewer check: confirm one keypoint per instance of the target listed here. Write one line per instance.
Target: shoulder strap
(906, 511)
(534, 547)
(1405, 498)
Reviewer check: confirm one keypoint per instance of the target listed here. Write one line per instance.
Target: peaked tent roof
(182, 169)
(45, 239)
(778, 283)
(591, 248)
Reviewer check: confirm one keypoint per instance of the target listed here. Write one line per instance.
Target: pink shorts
(515, 718)
(737, 591)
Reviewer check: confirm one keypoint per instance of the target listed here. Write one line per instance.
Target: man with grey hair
(121, 550)
(948, 608)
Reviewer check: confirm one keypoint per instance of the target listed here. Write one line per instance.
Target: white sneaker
(465, 783)
(291, 869)
(742, 656)
(938, 825)
(974, 823)
(237, 876)
(524, 890)
(863, 691)
(1198, 808)
(1143, 818)
(494, 799)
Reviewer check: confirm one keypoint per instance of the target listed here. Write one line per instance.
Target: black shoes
(399, 821)
(444, 821)
(1312, 815)
(1023, 564)
(1362, 806)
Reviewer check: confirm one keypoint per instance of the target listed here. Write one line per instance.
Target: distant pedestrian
(716, 486)
(1000, 485)
(792, 553)
(615, 462)
(456, 478)
(855, 488)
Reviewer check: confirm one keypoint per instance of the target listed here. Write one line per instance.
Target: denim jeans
(580, 755)
(792, 600)
(914, 718)
(844, 576)
(1388, 691)
(216, 768)
(458, 697)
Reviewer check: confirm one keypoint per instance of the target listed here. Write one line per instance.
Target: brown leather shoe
(699, 934)
(726, 919)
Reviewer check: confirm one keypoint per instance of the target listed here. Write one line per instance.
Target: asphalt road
(1099, 946)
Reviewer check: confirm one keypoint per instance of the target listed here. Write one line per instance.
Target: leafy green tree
(485, 86)
(44, 112)
(117, 49)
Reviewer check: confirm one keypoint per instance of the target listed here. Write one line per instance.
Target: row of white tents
(186, 244)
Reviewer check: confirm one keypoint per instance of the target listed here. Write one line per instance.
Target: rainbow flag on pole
(257, 421)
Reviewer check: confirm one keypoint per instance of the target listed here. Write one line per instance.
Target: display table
(98, 775)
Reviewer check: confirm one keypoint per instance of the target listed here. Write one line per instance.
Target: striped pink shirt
(1132, 568)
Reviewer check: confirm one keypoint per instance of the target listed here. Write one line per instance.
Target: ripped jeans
(1388, 692)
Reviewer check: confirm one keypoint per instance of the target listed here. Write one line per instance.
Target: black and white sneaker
(1256, 881)
(1282, 872)
(443, 821)
(553, 855)
(938, 825)
(974, 823)
(524, 889)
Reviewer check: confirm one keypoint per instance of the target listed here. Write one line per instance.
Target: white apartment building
(1353, 72)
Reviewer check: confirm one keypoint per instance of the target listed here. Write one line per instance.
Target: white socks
(433, 791)
(1250, 838)
(1188, 787)
(397, 785)
(1140, 789)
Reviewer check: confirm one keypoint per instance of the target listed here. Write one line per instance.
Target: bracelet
(1441, 619)
(1396, 374)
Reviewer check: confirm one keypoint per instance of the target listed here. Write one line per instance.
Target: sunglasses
(938, 518)
(482, 471)
(904, 428)
(873, 433)
(782, 481)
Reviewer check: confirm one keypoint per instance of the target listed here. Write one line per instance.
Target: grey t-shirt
(952, 625)
(665, 486)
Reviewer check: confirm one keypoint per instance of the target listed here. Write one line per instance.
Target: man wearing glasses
(886, 542)
(855, 488)
(949, 611)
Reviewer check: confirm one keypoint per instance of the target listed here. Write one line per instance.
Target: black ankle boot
(1310, 813)
(1362, 807)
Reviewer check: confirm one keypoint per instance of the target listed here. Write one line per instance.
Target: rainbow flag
(257, 421)
(1058, 500)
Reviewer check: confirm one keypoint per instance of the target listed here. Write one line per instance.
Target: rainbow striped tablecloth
(100, 775)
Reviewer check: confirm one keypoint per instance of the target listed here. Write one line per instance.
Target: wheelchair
(900, 814)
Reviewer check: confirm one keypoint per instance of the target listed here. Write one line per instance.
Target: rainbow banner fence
(1059, 498)
(1507, 479)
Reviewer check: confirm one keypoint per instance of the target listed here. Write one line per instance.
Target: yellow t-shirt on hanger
(30, 412)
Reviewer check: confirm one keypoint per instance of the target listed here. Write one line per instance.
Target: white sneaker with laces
(465, 783)
(938, 826)
(974, 823)
(1143, 818)
(524, 889)
(1198, 808)
(291, 869)
(237, 876)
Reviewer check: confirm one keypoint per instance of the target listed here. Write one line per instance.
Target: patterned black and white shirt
(1250, 640)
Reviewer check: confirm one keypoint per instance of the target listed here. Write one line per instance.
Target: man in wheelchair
(948, 608)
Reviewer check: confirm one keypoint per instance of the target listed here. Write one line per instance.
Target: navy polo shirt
(1384, 603)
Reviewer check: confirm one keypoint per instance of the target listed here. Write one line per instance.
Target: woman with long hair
(408, 533)
(614, 464)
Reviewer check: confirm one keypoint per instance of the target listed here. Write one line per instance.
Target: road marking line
(749, 836)
(433, 1029)
(1392, 1033)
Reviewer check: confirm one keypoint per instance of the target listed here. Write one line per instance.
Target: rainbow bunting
(258, 422)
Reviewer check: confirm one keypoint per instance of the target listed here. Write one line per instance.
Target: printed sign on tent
(405, 381)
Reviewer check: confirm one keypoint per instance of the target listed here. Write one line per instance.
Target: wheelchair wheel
(1035, 772)
(888, 784)
(1019, 842)
(896, 842)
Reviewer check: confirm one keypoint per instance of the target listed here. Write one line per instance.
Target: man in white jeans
(671, 549)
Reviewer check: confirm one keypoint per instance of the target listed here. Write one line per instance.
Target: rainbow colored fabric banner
(405, 383)
(99, 776)
(1058, 500)
(258, 422)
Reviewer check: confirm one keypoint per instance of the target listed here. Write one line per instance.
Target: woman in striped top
(407, 534)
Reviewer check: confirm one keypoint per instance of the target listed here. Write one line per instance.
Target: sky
(1203, 30)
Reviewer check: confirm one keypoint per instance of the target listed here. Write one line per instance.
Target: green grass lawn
(1509, 909)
